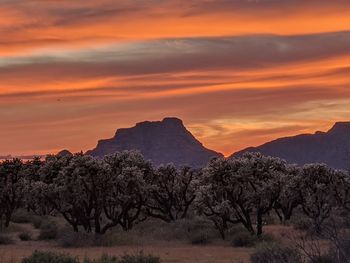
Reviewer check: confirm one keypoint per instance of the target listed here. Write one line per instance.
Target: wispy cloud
(238, 72)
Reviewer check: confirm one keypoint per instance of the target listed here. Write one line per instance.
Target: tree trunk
(97, 224)
(259, 224)
(7, 220)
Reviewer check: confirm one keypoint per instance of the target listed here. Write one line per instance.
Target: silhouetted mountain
(162, 142)
(332, 147)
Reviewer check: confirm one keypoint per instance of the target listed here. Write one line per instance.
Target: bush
(266, 237)
(303, 224)
(49, 257)
(139, 258)
(21, 217)
(48, 230)
(24, 236)
(114, 239)
(323, 259)
(243, 239)
(104, 259)
(274, 253)
(68, 238)
(200, 238)
(5, 240)
(37, 221)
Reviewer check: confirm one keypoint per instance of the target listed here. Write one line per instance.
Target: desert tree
(31, 169)
(72, 187)
(77, 193)
(316, 192)
(39, 183)
(172, 192)
(53, 167)
(212, 200)
(126, 189)
(11, 188)
(241, 190)
(289, 198)
(341, 187)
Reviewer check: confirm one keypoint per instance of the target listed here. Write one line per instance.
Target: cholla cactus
(126, 189)
(317, 192)
(341, 186)
(289, 198)
(11, 188)
(235, 190)
(172, 192)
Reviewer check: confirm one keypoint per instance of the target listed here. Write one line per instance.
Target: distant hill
(162, 142)
(332, 147)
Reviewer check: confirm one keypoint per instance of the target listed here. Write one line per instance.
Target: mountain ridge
(331, 147)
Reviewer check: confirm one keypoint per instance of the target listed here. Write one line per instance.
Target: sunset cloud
(238, 72)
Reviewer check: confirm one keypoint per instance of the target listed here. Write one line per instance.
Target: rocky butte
(162, 142)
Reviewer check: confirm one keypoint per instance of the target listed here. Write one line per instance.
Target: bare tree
(236, 190)
(172, 191)
(316, 192)
(11, 188)
(126, 189)
(289, 197)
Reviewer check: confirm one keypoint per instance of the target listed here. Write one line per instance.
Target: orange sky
(238, 72)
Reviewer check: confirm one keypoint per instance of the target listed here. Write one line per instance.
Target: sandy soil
(168, 252)
(171, 251)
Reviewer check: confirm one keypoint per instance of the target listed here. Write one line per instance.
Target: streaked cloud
(238, 72)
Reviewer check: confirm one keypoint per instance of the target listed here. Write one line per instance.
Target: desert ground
(177, 250)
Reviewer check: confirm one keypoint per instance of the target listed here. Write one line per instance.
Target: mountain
(332, 147)
(162, 142)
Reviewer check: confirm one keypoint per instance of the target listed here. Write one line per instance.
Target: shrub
(21, 216)
(68, 238)
(266, 237)
(5, 240)
(323, 259)
(114, 239)
(243, 239)
(24, 236)
(274, 253)
(200, 238)
(37, 221)
(49, 257)
(104, 259)
(48, 230)
(302, 223)
(139, 258)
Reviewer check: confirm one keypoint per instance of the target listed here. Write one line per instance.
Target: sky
(237, 72)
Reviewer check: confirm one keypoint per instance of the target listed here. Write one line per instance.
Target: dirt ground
(169, 251)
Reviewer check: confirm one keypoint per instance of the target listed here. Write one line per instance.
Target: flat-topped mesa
(168, 122)
(162, 142)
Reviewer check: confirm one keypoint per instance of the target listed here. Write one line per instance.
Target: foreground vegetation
(230, 199)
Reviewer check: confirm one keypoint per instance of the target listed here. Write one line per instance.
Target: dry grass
(168, 252)
(176, 250)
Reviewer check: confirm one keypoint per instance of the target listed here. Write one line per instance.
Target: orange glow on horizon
(239, 73)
